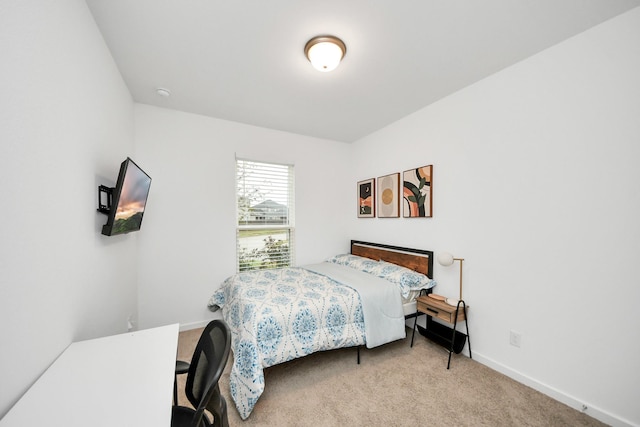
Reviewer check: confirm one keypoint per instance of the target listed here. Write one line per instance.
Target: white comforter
(381, 302)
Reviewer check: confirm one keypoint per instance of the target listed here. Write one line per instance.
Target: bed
(349, 300)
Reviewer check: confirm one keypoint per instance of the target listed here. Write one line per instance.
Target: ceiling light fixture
(163, 92)
(325, 52)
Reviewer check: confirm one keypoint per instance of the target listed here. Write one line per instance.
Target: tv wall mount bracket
(105, 199)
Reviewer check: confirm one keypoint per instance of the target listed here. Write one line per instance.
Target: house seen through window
(265, 229)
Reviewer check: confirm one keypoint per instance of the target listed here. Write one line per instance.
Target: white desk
(117, 381)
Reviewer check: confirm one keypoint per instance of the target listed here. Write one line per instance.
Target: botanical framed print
(389, 196)
(417, 192)
(366, 198)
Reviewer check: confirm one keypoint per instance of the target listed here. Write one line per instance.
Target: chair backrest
(207, 364)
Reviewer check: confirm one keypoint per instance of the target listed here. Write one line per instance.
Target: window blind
(265, 213)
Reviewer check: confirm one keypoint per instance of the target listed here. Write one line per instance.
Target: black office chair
(202, 390)
(182, 367)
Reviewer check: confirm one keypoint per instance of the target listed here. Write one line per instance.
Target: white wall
(536, 185)
(66, 121)
(187, 241)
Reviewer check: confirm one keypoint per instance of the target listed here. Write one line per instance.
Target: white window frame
(282, 193)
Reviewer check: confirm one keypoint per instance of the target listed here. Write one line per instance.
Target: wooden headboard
(416, 259)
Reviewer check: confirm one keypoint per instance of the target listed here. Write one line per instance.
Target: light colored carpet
(395, 385)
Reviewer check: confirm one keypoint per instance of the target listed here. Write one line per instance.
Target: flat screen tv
(126, 201)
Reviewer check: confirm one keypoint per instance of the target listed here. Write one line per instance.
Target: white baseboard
(592, 411)
(194, 325)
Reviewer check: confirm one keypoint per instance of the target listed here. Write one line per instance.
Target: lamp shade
(445, 259)
(325, 52)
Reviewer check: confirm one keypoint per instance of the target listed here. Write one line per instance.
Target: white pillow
(407, 279)
(367, 265)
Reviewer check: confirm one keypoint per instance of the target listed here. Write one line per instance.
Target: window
(265, 230)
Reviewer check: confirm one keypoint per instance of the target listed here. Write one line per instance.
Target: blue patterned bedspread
(280, 315)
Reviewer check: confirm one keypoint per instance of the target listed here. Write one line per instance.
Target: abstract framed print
(389, 196)
(417, 192)
(366, 198)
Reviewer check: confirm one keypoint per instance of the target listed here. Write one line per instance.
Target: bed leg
(358, 355)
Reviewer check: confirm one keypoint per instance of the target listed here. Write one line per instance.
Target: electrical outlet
(515, 338)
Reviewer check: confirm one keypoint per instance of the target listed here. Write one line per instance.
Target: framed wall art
(389, 196)
(366, 198)
(417, 192)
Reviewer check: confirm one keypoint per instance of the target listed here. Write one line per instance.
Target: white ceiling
(243, 60)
